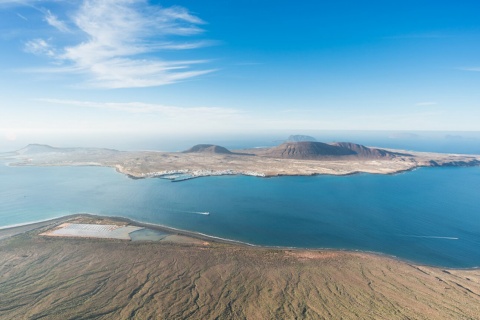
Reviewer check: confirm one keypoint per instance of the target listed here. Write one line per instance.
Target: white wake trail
(205, 213)
(429, 237)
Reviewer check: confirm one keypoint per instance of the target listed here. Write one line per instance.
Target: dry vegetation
(45, 278)
(142, 164)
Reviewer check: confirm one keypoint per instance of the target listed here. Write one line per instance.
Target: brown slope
(367, 152)
(208, 148)
(98, 279)
(307, 150)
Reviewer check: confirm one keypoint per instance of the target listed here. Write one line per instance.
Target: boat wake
(198, 212)
(429, 237)
(205, 213)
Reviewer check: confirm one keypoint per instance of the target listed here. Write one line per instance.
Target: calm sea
(430, 215)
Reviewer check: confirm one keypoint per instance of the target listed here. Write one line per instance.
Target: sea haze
(430, 215)
(446, 142)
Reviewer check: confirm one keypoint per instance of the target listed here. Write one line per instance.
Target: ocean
(428, 216)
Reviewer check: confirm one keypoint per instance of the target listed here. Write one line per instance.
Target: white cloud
(476, 69)
(118, 40)
(150, 108)
(55, 22)
(40, 46)
(425, 103)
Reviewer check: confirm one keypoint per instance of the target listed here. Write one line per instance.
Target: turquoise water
(430, 215)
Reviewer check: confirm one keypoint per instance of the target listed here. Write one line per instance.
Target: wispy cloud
(475, 69)
(149, 108)
(426, 103)
(22, 17)
(121, 41)
(13, 2)
(40, 46)
(55, 22)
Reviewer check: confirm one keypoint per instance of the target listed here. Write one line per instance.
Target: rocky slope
(43, 278)
(367, 152)
(307, 150)
(208, 148)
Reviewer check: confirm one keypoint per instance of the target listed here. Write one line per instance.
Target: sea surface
(428, 216)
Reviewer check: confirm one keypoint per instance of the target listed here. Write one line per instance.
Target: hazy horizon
(211, 68)
(467, 142)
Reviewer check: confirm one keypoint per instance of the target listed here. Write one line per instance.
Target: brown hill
(366, 152)
(60, 278)
(208, 148)
(307, 150)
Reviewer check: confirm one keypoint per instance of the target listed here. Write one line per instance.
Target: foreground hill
(45, 278)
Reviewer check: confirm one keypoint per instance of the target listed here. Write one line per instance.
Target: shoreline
(182, 166)
(239, 174)
(14, 230)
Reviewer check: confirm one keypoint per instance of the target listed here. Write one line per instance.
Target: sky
(222, 66)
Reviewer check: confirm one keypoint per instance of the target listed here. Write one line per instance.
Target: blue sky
(107, 66)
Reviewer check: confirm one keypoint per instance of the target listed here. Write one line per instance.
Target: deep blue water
(430, 215)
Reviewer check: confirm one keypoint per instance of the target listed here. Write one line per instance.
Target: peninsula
(290, 158)
(182, 275)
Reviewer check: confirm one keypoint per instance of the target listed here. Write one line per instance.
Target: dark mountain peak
(208, 148)
(307, 150)
(366, 152)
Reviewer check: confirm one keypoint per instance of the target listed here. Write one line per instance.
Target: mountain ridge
(208, 149)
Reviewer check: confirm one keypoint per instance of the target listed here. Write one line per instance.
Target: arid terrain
(291, 158)
(62, 278)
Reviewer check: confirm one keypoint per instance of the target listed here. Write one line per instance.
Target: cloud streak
(121, 41)
(41, 47)
(149, 108)
(426, 104)
(474, 69)
(55, 22)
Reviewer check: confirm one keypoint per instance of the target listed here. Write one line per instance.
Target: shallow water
(430, 215)
(147, 235)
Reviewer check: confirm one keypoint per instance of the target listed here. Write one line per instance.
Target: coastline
(182, 166)
(217, 174)
(180, 175)
(14, 230)
(180, 278)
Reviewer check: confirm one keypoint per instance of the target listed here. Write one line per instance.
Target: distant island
(301, 158)
(299, 138)
(91, 266)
